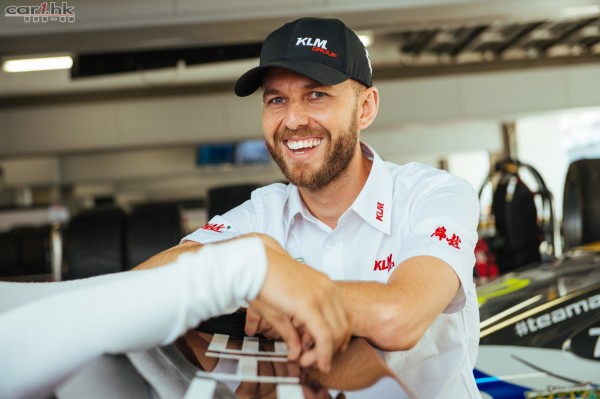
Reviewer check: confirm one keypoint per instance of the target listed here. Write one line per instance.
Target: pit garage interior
(114, 159)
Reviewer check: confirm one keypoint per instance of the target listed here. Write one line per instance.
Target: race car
(540, 329)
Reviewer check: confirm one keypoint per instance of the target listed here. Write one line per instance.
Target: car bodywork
(540, 330)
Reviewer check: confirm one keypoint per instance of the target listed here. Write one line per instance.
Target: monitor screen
(215, 153)
(251, 152)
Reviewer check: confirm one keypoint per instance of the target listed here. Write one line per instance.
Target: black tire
(517, 237)
(34, 249)
(222, 199)
(581, 203)
(152, 228)
(95, 243)
(9, 255)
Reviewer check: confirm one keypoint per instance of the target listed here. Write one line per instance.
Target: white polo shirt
(402, 211)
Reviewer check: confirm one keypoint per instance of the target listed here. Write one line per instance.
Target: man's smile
(302, 144)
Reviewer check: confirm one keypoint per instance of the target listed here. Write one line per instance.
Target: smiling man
(397, 239)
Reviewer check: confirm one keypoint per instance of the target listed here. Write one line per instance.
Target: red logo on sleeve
(213, 227)
(454, 241)
(440, 233)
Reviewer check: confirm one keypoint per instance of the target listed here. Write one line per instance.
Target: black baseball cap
(322, 49)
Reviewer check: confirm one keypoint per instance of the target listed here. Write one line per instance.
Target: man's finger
(323, 348)
(338, 319)
(307, 341)
(284, 326)
(271, 333)
(329, 331)
(252, 322)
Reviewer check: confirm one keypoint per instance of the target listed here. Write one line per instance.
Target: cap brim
(249, 82)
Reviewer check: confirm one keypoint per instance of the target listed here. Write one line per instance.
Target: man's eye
(275, 100)
(317, 94)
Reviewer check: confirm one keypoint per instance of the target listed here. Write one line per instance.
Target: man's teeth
(301, 144)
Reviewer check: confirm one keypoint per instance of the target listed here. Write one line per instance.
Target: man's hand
(255, 324)
(292, 289)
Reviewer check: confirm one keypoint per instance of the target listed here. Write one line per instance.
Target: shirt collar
(294, 204)
(373, 204)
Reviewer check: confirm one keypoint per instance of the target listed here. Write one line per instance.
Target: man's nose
(296, 116)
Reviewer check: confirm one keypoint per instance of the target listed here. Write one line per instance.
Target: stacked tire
(152, 228)
(25, 252)
(107, 239)
(581, 203)
(222, 199)
(94, 243)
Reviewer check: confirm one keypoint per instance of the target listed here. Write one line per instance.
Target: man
(49, 331)
(398, 240)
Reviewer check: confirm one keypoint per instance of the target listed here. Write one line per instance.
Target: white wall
(130, 143)
(32, 171)
(196, 118)
(540, 144)
(473, 166)
(543, 142)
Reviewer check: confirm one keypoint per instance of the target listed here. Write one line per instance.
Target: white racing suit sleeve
(53, 334)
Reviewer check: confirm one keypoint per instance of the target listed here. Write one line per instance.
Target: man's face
(311, 130)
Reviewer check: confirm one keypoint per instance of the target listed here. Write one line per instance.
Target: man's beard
(337, 158)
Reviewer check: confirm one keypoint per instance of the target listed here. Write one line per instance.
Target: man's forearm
(169, 255)
(376, 315)
(360, 366)
(395, 315)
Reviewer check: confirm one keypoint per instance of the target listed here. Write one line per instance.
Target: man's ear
(369, 107)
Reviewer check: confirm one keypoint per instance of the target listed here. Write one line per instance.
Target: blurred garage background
(114, 158)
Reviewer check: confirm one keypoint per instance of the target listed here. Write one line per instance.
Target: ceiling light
(37, 64)
(581, 11)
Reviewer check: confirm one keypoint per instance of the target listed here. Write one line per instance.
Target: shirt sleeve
(262, 213)
(53, 329)
(444, 225)
(242, 219)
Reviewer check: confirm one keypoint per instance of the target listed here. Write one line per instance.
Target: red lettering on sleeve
(214, 227)
(440, 233)
(454, 241)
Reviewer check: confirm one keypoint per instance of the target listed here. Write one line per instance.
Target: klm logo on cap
(318, 45)
(308, 41)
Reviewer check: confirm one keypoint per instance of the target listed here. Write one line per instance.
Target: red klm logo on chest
(379, 213)
(385, 264)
